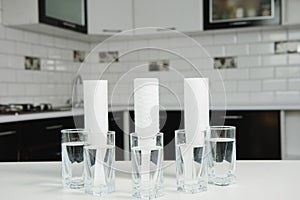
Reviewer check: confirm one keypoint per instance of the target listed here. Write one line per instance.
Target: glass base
(100, 191)
(222, 181)
(74, 183)
(147, 193)
(147, 160)
(192, 188)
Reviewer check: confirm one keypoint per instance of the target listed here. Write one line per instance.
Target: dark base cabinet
(170, 121)
(41, 139)
(9, 142)
(34, 140)
(115, 123)
(257, 133)
(257, 136)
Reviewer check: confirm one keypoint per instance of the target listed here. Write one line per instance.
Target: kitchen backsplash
(52, 83)
(261, 77)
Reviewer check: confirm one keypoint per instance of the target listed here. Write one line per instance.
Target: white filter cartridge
(96, 109)
(146, 106)
(96, 120)
(196, 109)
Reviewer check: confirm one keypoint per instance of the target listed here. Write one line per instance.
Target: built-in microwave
(240, 13)
(68, 14)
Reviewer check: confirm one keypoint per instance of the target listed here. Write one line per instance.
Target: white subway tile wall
(53, 83)
(261, 77)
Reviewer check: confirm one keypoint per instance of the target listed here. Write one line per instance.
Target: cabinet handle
(7, 133)
(232, 117)
(166, 29)
(54, 127)
(112, 30)
(69, 25)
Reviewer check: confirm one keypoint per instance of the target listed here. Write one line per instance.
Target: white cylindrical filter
(96, 120)
(196, 109)
(96, 109)
(146, 114)
(146, 106)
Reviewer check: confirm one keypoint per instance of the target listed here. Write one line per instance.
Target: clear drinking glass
(191, 165)
(147, 162)
(99, 161)
(72, 142)
(221, 154)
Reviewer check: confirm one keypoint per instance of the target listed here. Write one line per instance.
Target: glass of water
(191, 165)
(147, 162)
(221, 154)
(72, 143)
(99, 161)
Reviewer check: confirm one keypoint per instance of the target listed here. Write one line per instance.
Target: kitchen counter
(255, 180)
(42, 115)
(79, 111)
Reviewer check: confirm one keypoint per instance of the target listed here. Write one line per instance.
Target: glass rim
(75, 130)
(183, 130)
(108, 132)
(179, 130)
(136, 134)
(217, 128)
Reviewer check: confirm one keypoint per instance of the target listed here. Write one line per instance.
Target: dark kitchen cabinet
(41, 139)
(9, 142)
(257, 133)
(170, 121)
(115, 123)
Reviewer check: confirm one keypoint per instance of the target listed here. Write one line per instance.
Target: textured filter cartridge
(96, 120)
(146, 106)
(196, 109)
(196, 118)
(146, 111)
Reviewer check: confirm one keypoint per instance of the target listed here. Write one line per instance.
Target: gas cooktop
(16, 108)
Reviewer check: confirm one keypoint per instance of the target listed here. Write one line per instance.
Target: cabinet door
(290, 12)
(170, 121)
(109, 16)
(9, 142)
(257, 133)
(181, 15)
(41, 139)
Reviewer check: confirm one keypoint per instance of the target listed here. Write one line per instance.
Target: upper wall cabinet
(109, 16)
(185, 16)
(94, 17)
(290, 12)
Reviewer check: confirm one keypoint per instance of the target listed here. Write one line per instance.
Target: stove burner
(24, 108)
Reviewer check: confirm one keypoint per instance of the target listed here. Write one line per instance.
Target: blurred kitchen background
(254, 51)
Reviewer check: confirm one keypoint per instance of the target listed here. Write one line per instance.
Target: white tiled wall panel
(274, 84)
(274, 35)
(261, 48)
(261, 77)
(261, 73)
(236, 50)
(249, 37)
(226, 38)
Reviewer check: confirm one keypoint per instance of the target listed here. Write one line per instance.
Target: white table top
(255, 180)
